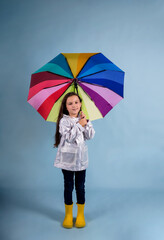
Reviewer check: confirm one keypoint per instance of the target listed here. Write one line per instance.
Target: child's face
(73, 105)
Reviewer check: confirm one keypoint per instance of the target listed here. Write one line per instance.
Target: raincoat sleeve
(70, 131)
(89, 131)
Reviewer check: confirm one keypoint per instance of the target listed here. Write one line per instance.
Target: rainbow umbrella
(94, 77)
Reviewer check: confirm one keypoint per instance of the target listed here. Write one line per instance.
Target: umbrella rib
(68, 65)
(86, 62)
(96, 73)
(79, 87)
(98, 85)
(86, 93)
(63, 93)
(95, 84)
(58, 84)
(90, 98)
(92, 74)
(59, 74)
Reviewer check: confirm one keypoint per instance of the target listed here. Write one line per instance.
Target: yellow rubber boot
(68, 220)
(80, 220)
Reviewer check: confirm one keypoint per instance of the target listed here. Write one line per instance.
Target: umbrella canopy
(94, 77)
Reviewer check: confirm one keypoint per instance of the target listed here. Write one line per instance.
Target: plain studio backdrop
(126, 156)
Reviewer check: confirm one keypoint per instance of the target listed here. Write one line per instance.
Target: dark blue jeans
(69, 186)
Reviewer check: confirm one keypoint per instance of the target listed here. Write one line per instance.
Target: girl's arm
(69, 132)
(89, 131)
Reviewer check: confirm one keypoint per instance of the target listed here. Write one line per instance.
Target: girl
(72, 130)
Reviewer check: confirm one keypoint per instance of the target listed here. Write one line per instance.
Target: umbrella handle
(75, 83)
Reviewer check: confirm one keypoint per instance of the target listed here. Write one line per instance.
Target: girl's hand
(82, 115)
(83, 121)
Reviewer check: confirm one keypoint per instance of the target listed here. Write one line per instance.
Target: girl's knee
(68, 185)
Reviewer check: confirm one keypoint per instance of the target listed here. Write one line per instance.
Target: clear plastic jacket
(72, 153)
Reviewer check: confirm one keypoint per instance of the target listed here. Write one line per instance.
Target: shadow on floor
(30, 201)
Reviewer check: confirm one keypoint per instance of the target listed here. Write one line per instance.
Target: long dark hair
(63, 110)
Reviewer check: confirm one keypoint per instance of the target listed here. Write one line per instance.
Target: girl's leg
(80, 186)
(68, 186)
(80, 192)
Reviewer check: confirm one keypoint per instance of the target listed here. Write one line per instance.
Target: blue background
(124, 185)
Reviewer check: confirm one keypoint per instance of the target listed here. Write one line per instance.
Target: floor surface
(110, 214)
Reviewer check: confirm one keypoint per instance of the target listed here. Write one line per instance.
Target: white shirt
(72, 151)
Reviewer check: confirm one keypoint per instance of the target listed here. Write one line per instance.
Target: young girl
(72, 130)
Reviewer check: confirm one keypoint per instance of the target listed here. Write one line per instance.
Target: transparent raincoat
(72, 153)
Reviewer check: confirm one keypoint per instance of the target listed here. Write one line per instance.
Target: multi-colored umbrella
(94, 77)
